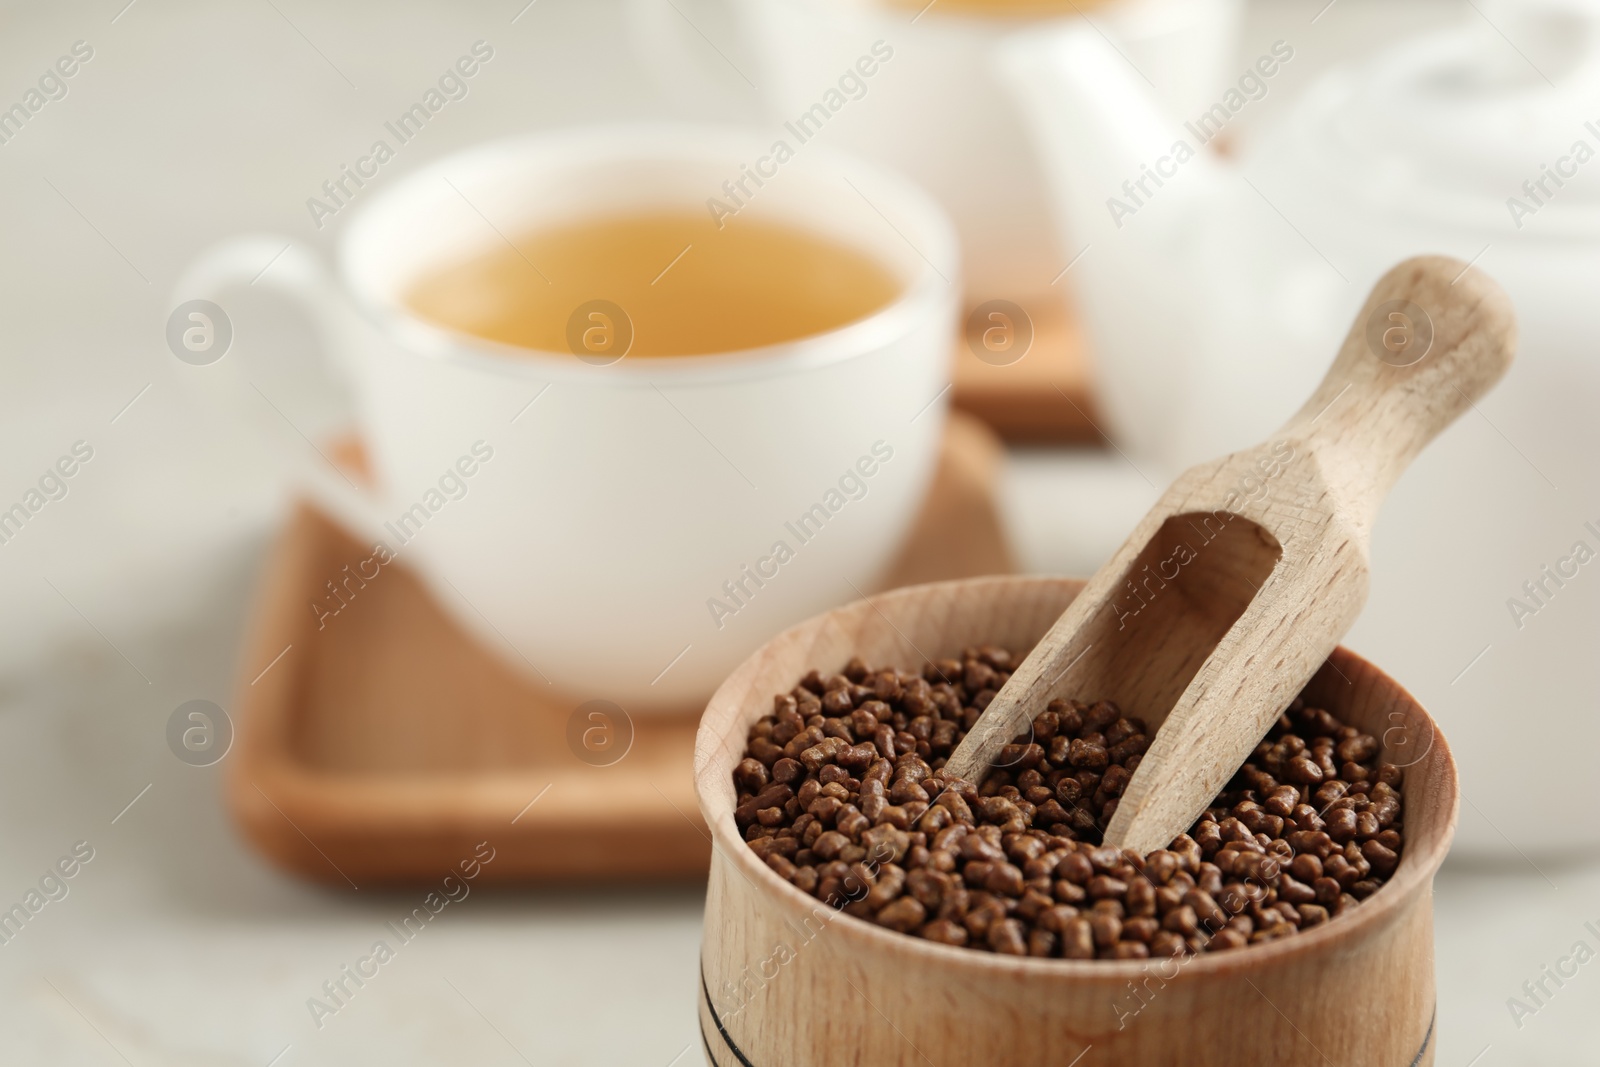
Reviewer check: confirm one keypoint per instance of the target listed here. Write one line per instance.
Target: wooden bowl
(785, 980)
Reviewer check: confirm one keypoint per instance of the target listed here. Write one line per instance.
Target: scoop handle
(1433, 337)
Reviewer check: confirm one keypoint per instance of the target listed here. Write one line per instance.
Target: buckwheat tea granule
(840, 792)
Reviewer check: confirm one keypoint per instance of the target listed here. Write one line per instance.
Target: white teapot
(1212, 291)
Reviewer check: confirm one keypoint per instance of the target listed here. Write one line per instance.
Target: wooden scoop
(1237, 585)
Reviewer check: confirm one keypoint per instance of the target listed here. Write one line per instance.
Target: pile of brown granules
(840, 793)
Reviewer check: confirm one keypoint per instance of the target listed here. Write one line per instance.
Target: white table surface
(177, 945)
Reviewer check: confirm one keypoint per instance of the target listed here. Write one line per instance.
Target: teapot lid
(1464, 127)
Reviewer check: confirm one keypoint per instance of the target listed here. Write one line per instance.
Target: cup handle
(295, 272)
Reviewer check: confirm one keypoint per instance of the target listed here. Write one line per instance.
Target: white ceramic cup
(934, 107)
(584, 519)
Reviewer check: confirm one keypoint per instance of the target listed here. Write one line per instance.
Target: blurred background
(1188, 322)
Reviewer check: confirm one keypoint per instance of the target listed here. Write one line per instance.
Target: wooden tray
(1043, 398)
(385, 746)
